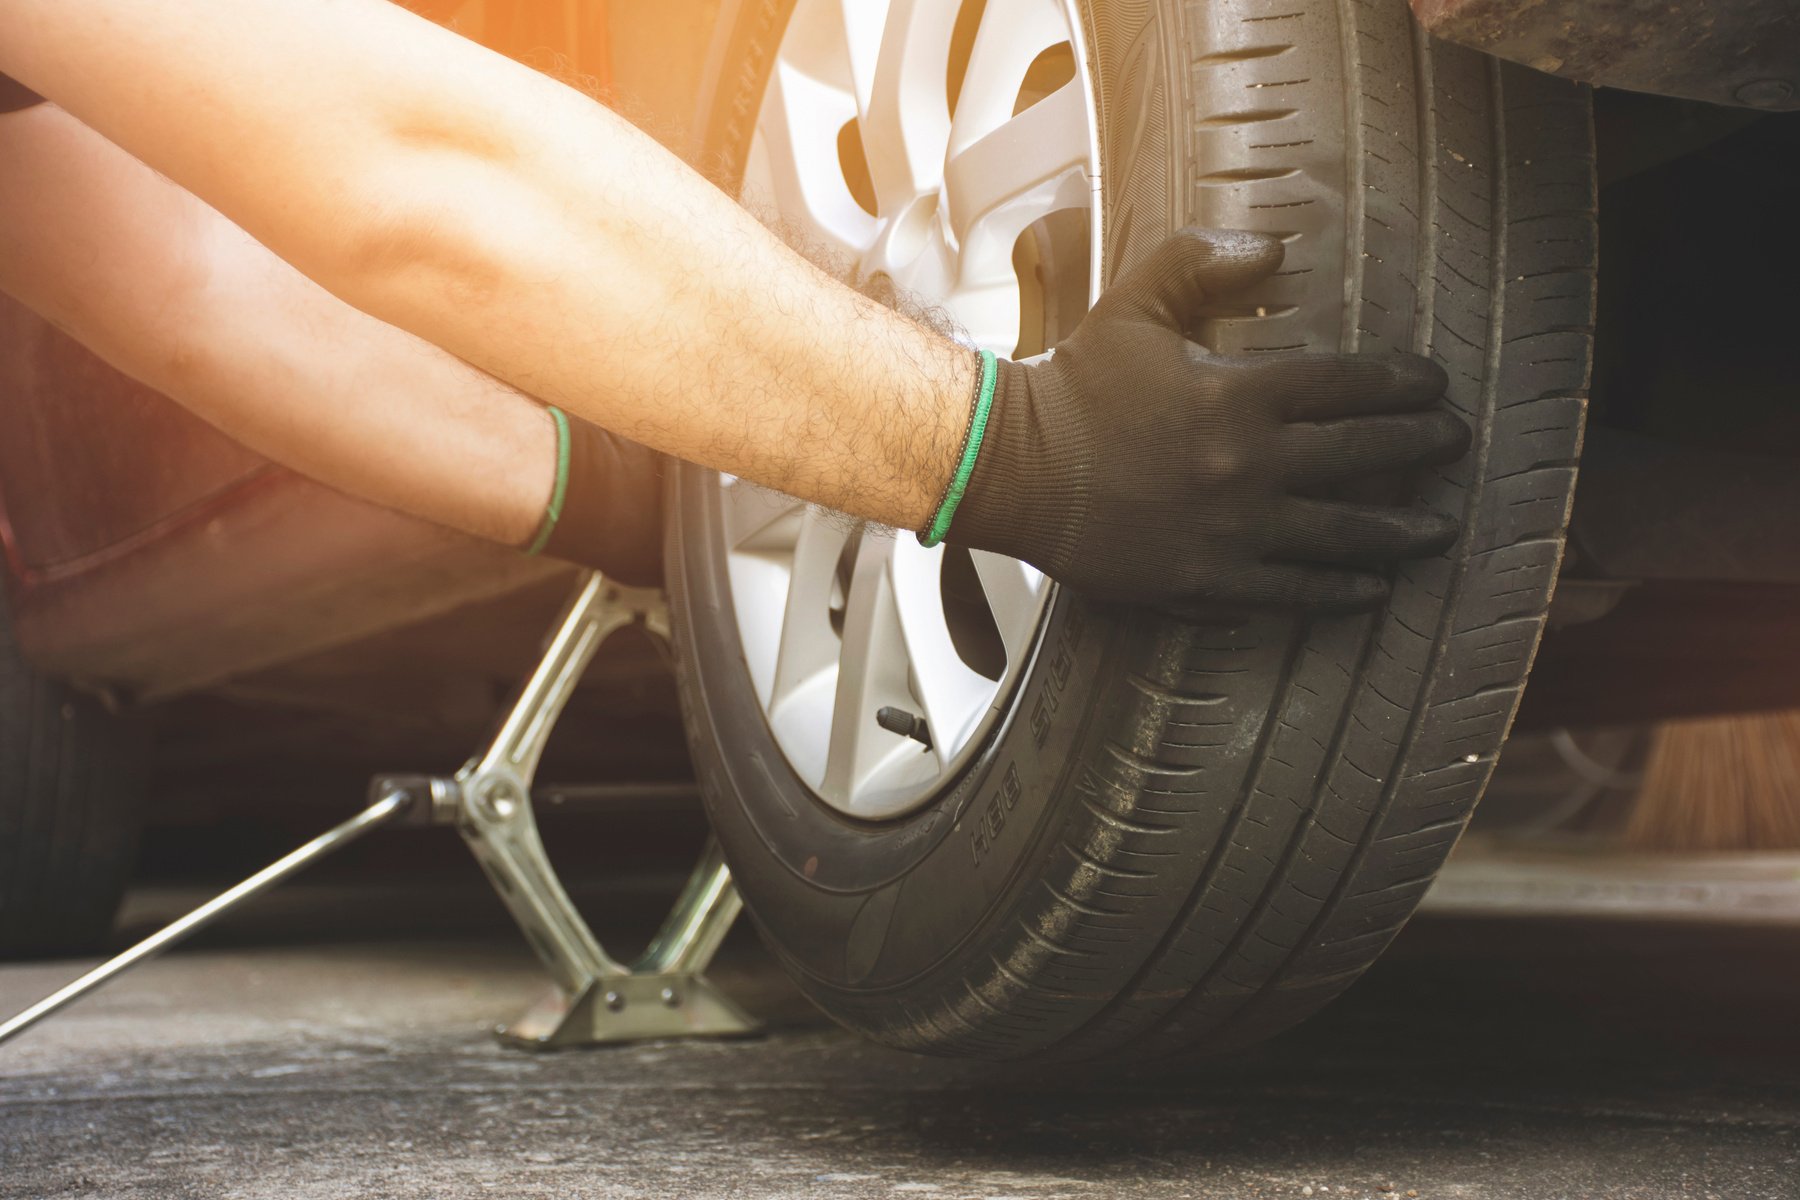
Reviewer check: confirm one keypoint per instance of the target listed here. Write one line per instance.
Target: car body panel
(148, 553)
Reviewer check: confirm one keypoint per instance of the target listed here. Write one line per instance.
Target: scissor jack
(595, 998)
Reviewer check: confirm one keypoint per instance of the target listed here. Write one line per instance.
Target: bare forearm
(519, 225)
(171, 293)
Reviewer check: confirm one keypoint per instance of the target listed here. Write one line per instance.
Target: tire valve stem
(898, 720)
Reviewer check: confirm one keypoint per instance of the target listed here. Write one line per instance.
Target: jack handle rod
(378, 813)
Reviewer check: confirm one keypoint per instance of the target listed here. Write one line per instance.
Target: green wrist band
(560, 490)
(965, 467)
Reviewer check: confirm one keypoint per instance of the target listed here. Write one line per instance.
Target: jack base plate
(629, 1008)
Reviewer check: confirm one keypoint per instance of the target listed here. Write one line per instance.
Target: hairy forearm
(519, 225)
(171, 293)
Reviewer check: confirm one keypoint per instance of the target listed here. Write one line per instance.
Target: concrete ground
(332, 1043)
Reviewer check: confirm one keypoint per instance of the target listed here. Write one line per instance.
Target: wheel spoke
(861, 24)
(1014, 592)
(871, 674)
(906, 124)
(760, 528)
(953, 695)
(989, 310)
(759, 520)
(808, 644)
(795, 161)
(1012, 34)
(1027, 167)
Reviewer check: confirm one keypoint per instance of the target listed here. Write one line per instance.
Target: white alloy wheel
(951, 148)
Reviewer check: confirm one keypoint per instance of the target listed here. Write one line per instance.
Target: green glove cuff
(559, 491)
(965, 467)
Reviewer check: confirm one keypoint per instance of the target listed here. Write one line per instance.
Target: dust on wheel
(976, 815)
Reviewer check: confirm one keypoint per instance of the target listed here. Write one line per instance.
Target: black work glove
(1135, 465)
(611, 516)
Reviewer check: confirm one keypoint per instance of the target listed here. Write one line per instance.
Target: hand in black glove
(611, 514)
(1135, 465)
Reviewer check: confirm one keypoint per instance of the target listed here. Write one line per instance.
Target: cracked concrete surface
(333, 1044)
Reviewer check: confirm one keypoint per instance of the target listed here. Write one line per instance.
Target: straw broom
(1721, 783)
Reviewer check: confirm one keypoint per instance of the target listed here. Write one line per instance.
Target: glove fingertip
(1229, 260)
(1195, 267)
(1360, 592)
(1439, 533)
(1418, 381)
(1452, 440)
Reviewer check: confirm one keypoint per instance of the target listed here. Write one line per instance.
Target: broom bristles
(1721, 783)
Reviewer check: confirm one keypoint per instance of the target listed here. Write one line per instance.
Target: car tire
(1185, 835)
(72, 779)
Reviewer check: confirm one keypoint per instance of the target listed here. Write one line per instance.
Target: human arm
(519, 225)
(171, 293)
